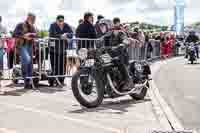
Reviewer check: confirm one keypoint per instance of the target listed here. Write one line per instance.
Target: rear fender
(147, 69)
(132, 67)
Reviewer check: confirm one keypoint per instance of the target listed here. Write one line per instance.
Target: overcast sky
(152, 11)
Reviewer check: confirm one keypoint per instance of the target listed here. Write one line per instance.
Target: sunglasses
(61, 20)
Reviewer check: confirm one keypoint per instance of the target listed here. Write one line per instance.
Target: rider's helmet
(105, 25)
(192, 32)
(136, 29)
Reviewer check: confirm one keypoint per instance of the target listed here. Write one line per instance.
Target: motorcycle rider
(114, 37)
(192, 37)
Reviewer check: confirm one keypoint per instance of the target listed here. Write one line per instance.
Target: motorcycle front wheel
(88, 89)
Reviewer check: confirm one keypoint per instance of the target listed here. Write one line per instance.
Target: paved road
(52, 110)
(179, 84)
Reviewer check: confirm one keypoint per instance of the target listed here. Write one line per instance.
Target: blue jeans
(197, 51)
(26, 61)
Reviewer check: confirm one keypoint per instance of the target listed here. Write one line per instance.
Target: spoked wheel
(140, 95)
(15, 74)
(15, 81)
(51, 82)
(36, 81)
(87, 89)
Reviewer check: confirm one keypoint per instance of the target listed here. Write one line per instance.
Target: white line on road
(63, 117)
(167, 110)
(4, 130)
(174, 121)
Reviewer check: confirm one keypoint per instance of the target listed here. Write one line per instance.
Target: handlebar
(191, 43)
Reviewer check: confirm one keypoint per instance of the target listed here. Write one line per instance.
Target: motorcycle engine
(116, 76)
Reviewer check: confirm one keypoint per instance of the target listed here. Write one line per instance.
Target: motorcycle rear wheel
(142, 94)
(77, 94)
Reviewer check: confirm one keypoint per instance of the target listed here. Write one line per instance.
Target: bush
(43, 34)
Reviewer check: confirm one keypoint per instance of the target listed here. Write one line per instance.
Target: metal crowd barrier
(156, 50)
(55, 59)
(49, 59)
(6, 57)
(59, 58)
(62, 54)
(149, 51)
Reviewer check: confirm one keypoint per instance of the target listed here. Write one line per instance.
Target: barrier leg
(59, 83)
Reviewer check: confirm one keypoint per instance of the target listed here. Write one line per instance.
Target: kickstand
(32, 83)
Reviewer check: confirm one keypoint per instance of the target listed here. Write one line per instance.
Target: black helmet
(192, 32)
(106, 22)
(99, 17)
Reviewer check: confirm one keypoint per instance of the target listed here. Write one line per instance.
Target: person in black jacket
(59, 30)
(86, 30)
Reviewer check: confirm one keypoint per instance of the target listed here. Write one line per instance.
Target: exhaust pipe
(125, 93)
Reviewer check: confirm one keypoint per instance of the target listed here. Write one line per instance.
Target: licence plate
(89, 62)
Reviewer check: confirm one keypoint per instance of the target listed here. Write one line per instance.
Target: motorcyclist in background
(114, 37)
(192, 37)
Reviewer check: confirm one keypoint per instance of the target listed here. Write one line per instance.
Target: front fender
(147, 69)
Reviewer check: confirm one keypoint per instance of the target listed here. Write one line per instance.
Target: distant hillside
(196, 25)
(149, 27)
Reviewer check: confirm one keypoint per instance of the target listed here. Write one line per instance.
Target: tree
(43, 34)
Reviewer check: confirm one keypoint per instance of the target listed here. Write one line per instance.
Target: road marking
(4, 130)
(57, 98)
(63, 117)
(175, 123)
(170, 115)
(190, 97)
(158, 111)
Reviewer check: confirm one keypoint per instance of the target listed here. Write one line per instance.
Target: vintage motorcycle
(99, 77)
(192, 57)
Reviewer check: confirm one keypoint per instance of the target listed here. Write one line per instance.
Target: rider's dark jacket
(192, 38)
(58, 45)
(113, 39)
